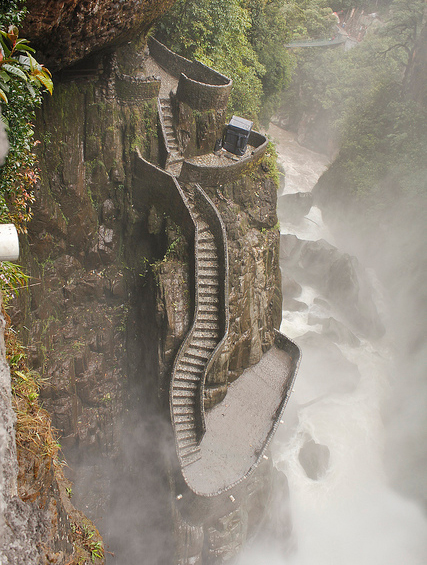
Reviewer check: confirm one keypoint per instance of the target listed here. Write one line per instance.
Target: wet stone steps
(190, 368)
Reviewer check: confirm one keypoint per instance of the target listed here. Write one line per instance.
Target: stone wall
(176, 65)
(133, 90)
(154, 186)
(199, 86)
(230, 171)
(201, 96)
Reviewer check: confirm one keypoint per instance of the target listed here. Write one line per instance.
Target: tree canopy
(245, 39)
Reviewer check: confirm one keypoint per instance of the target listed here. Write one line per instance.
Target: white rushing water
(348, 514)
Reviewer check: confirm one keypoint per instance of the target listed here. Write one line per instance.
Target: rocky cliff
(66, 31)
(110, 306)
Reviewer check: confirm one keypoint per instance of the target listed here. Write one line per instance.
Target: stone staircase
(175, 159)
(190, 365)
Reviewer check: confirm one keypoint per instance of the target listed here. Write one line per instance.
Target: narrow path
(175, 158)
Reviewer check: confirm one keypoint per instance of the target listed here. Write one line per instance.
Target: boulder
(293, 207)
(314, 458)
(338, 276)
(66, 31)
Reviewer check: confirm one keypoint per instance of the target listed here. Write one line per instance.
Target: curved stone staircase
(209, 329)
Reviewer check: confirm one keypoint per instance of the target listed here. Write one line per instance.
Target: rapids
(331, 446)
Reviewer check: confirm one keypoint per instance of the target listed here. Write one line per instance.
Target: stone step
(185, 376)
(210, 324)
(206, 333)
(210, 315)
(203, 344)
(207, 255)
(191, 458)
(208, 281)
(189, 370)
(186, 451)
(183, 427)
(184, 419)
(189, 401)
(206, 271)
(207, 245)
(179, 392)
(188, 442)
(185, 385)
(207, 291)
(206, 237)
(202, 226)
(205, 299)
(197, 354)
(190, 367)
(184, 410)
(208, 309)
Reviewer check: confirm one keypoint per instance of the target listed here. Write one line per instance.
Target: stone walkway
(151, 68)
(237, 428)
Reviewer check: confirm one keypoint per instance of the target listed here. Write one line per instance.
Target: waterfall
(343, 509)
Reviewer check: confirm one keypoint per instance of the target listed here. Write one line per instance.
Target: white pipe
(9, 243)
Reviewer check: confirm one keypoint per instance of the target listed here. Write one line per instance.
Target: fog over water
(339, 424)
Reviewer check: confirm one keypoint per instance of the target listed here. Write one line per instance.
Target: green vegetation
(367, 94)
(245, 40)
(12, 280)
(22, 80)
(34, 434)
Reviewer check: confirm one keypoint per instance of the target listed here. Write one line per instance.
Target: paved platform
(239, 429)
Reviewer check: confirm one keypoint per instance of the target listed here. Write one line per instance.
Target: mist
(359, 496)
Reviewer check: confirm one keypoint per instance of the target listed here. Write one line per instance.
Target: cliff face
(111, 304)
(64, 32)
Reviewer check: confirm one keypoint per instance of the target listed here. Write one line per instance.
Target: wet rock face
(77, 253)
(294, 207)
(314, 459)
(338, 276)
(248, 209)
(66, 31)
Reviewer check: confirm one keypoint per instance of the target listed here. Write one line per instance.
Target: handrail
(220, 236)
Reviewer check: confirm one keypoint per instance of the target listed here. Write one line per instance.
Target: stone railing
(152, 185)
(207, 334)
(214, 175)
(210, 214)
(164, 149)
(135, 89)
(201, 87)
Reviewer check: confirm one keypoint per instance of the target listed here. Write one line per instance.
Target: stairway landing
(237, 428)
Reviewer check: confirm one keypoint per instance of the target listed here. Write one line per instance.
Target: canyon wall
(110, 295)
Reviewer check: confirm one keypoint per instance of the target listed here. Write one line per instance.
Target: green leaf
(3, 96)
(44, 79)
(11, 69)
(4, 45)
(31, 89)
(25, 48)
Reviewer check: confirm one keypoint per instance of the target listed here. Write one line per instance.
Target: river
(331, 446)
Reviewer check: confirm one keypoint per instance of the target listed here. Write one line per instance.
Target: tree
(215, 32)
(403, 31)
